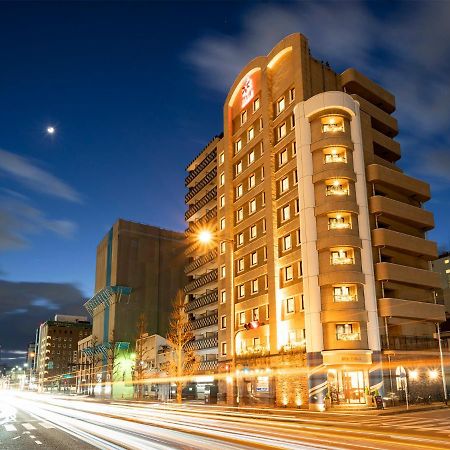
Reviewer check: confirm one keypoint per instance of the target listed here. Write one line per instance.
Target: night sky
(136, 90)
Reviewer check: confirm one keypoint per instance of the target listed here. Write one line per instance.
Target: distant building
(138, 272)
(442, 267)
(57, 352)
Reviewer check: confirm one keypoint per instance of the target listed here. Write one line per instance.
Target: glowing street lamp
(50, 130)
(413, 375)
(433, 374)
(205, 237)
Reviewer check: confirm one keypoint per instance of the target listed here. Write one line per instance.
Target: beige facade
(322, 258)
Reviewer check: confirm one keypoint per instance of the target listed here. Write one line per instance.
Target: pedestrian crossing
(409, 423)
(27, 426)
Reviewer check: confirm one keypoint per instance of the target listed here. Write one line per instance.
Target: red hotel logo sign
(247, 92)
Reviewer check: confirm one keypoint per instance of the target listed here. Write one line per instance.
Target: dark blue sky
(135, 90)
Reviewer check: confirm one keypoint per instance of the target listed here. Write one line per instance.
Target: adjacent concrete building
(321, 262)
(442, 266)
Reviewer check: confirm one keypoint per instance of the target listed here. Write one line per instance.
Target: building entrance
(346, 386)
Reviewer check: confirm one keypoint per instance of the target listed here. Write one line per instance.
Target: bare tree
(182, 361)
(141, 352)
(94, 361)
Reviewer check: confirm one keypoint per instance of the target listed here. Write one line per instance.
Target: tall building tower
(323, 261)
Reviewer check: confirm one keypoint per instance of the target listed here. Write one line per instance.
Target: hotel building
(319, 281)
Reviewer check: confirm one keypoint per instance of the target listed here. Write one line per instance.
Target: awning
(103, 297)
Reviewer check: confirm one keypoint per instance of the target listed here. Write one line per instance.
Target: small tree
(182, 361)
(141, 352)
(95, 360)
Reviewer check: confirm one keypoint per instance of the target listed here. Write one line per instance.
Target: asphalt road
(47, 422)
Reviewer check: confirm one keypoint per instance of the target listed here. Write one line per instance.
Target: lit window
(332, 124)
(224, 348)
(239, 214)
(241, 290)
(292, 121)
(335, 155)
(346, 332)
(222, 201)
(343, 294)
(302, 302)
(240, 265)
(251, 181)
(290, 305)
(255, 312)
(337, 188)
(240, 239)
(286, 213)
(297, 205)
(263, 198)
(264, 227)
(283, 157)
(300, 269)
(239, 191)
(295, 176)
(292, 94)
(252, 206)
(298, 237)
(222, 272)
(222, 223)
(221, 158)
(238, 167)
(339, 257)
(243, 117)
(256, 342)
(223, 322)
(222, 179)
(223, 296)
(447, 261)
(288, 273)
(256, 104)
(251, 134)
(447, 270)
(284, 184)
(242, 318)
(238, 146)
(260, 123)
(254, 258)
(282, 131)
(222, 247)
(338, 222)
(262, 173)
(280, 105)
(294, 148)
(251, 157)
(253, 232)
(287, 242)
(254, 288)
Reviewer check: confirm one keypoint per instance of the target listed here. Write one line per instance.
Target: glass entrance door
(353, 386)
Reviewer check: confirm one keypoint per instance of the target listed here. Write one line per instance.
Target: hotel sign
(247, 92)
(334, 358)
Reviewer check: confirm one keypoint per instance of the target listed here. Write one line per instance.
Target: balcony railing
(200, 167)
(336, 261)
(412, 343)
(201, 281)
(337, 190)
(249, 352)
(208, 365)
(194, 226)
(204, 300)
(202, 344)
(210, 256)
(293, 347)
(345, 298)
(211, 195)
(210, 176)
(348, 336)
(339, 225)
(205, 321)
(335, 159)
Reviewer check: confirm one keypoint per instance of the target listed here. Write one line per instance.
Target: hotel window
(294, 148)
(302, 302)
(222, 223)
(238, 146)
(300, 269)
(254, 258)
(288, 273)
(250, 134)
(337, 187)
(256, 104)
(223, 322)
(295, 176)
(292, 94)
(262, 173)
(221, 158)
(223, 296)
(335, 155)
(339, 257)
(255, 312)
(256, 342)
(223, 247)
(447, 270)
(284, 185)
(263, 199)
(222, 179)
(265, 253)
(253, 232)
(347, 332)
(297, 205)
(240, 239)
(239, 214)
(222, 201)
(283, 157)
(222, 271)
(241, 290)
(290, 305)
(332, 124)
(292, 121)
(240, 265)
(264, 227)
(281, 131)
(280, 105)
(299, 240)
(447, 261)
(339, 222)
(243, 117)
(343, 294)
(261, 124)
(238, 167)
(252, 206)
(251, 157)
(251, 181)
(285, 213)
(254, 284)
(267, 306)
(287, 242)
(224, 349)
(242, 318)
(239, 191)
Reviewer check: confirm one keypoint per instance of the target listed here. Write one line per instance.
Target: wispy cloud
(29, 174)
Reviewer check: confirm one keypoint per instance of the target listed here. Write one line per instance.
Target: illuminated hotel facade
(320, 267)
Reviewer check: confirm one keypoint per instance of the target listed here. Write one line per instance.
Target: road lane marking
(28, 426)
(46, 425)
(38, 442)
(32, 436)
(10, 427)
(17, 437)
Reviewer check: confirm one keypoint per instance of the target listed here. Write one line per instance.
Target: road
(41, 421)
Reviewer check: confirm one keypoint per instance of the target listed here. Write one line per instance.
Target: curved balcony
(202, 344)
(194, 173)
(204, 300)
(205, 321)
(210, 176)
(201, 281)
(210, 256)
(407, 275)
(212, 194)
